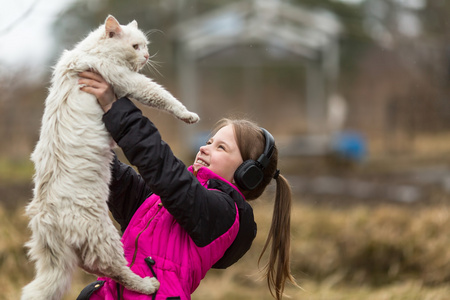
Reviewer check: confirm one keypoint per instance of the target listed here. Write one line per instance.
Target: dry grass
(384, 252)
(387, 252)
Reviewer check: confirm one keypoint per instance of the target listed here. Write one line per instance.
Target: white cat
(69, 214)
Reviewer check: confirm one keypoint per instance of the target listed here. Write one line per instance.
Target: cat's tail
(54, 264)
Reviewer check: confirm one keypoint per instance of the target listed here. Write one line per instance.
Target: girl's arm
(127, 192)
(204, 214)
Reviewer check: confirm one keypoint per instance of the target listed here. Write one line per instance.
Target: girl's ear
(112, 27)
(133, 24)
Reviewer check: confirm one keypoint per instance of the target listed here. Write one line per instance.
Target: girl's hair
(250, 140)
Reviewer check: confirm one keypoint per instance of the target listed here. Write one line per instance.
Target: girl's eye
(136, 47)
(208, 143)
(221, 147)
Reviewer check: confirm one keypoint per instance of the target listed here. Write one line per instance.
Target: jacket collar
(205, 174)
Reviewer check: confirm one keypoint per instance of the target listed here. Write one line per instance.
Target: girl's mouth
(201, 162)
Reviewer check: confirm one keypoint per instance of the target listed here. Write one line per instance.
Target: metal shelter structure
(310, 35)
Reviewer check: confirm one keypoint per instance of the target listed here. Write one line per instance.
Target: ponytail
(277, 269)
(251, 141)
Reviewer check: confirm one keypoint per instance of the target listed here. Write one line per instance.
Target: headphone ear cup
(248, 175)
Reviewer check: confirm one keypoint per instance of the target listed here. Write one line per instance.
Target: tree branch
(19, 19)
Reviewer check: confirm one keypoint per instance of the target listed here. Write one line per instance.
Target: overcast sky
(25, 36)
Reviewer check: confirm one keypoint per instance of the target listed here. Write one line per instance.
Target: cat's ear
(112, 27)
(133, 24)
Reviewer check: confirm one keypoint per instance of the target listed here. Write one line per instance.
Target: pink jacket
(180, 264)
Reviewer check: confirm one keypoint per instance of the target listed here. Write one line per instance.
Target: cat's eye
(136, 47)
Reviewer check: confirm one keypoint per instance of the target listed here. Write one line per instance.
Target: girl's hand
(93, 83)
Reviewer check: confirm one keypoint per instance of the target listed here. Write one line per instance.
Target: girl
(179, 222)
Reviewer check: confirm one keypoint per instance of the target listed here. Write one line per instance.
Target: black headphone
(250, 173)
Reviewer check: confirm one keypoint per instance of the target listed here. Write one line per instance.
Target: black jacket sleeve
(204, 214)
(127, 192)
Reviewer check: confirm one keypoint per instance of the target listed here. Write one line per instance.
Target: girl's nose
(204, 149)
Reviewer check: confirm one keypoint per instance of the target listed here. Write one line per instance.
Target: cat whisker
(152, 31)
(153, 65)
(153, 55)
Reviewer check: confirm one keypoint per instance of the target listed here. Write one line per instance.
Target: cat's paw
(189, 117)
(151, 285)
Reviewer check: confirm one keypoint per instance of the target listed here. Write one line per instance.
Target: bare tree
(19, 19)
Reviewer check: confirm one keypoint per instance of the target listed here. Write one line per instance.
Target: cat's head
(126, 42)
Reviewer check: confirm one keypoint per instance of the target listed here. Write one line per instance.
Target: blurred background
(355, 92)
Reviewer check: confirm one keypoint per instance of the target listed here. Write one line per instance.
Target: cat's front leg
(150, 93)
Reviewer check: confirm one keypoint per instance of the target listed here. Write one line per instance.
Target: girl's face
(220, 154)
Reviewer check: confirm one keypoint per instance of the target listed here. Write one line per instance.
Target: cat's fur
(69, 214)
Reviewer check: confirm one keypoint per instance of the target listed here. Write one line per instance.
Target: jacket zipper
(136, 243)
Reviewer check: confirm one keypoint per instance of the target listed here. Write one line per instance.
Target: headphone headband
(264, 159)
